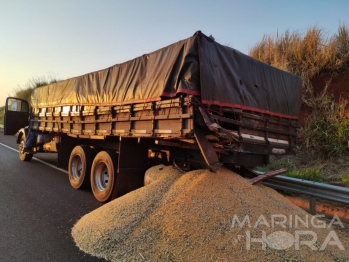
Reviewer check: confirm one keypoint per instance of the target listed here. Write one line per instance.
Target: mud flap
(132, 164)
(65, 151)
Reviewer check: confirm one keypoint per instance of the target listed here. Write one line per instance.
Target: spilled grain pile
(203, 216)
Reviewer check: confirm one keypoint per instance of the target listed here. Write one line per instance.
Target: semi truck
(193, 104)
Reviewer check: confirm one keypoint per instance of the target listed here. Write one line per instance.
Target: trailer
(193, 104)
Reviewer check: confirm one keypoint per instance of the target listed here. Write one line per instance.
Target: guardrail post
(312, 205)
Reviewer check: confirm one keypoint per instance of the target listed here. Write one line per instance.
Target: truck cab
(16, 115)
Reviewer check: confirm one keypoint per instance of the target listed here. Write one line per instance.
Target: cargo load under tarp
(199, 66)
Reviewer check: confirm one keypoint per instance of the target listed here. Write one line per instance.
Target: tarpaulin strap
(157, 108)
(261, 119)
(189, 111)
(140, 115)
(117, 113)
(188, 107)
(110, 113)
(289, 126)
(169, 110)
(265, 123)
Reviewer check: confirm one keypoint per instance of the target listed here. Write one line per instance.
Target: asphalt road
(38, 208)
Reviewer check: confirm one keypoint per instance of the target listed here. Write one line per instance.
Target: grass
(312, 174)
(2, 111)
(345, 179)
(293, 170)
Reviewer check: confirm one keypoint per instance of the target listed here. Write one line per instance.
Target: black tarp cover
(197, 66)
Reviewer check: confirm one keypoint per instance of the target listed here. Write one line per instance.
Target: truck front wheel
(103, 175)
(22, 155)
(79, 167)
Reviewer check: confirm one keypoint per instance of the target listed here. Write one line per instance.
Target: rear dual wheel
(79, 167)
(103, 175)
(86, 169)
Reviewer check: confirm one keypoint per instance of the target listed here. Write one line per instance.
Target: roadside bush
(25, 92)
(345, 179)
(343, 44)
(328, 131)
(327, 128)
(305, 54)
(2, 111)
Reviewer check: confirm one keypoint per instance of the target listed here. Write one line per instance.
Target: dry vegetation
(306, 54)
(25, 92)
(190, 218)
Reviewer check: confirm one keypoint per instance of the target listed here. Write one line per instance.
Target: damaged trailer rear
(195, 103)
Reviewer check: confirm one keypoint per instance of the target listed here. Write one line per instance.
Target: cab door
(16, 115)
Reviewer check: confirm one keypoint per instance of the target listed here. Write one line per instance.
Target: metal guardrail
(312, 189)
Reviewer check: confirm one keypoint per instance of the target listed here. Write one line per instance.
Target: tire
(79, 167)
(23, 156)
(103, 175)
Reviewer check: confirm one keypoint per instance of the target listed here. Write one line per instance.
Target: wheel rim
(101, 176)
(21, 147)
(76, 167)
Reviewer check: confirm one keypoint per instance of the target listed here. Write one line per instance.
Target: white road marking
(37, 159)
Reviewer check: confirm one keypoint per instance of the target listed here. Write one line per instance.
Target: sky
(68, 38)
